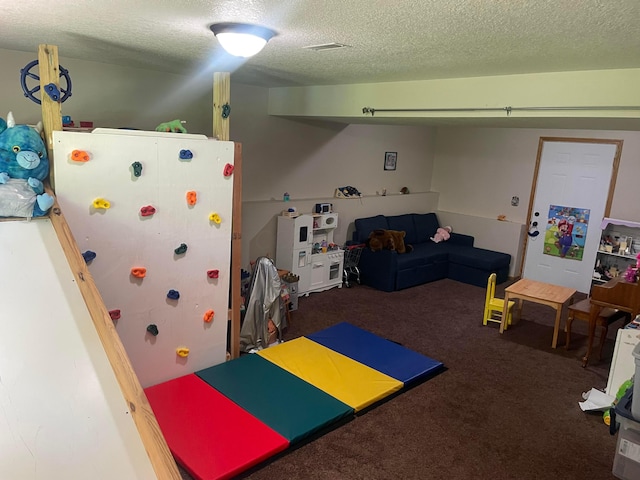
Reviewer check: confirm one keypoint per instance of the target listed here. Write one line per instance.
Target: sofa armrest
(378, 269)
(461, 239)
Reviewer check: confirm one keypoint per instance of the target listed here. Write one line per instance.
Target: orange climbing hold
(79, 156)
(208, 316)
(192, 197)
(139, 272)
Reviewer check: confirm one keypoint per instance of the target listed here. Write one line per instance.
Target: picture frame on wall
(390, 160)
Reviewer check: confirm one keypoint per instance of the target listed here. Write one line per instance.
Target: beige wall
(478, 170)
(471, 173)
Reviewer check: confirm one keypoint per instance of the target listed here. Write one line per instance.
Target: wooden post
(221, 97)
(236, 252)
(49, 72)
(221, 111)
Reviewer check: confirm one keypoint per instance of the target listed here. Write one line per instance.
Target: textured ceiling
(389, 40)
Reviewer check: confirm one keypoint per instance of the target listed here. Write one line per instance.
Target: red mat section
(208, 434)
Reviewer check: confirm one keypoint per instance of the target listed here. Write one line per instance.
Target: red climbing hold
(213, 273)
(147, 211)
(114, 314)
(228, 170)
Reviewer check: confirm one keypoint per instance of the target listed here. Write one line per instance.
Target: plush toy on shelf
(442, 234)
(24, 165)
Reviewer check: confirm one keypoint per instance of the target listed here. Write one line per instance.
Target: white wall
(112, 96)
(477, 171)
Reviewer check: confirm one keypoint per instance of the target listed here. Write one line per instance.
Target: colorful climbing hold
(137, 169)
(173, 294)
(215, 218)
(52, 90)
(213, 273)
(192, 197)
(101, 203)
(79, 156)
(147, 211)
(181, 249)
(208, 316)
(139, 272)
(186, 154)
(88, 256)
(114, 314)
(228, 170)
(153, 329)
(182, 352)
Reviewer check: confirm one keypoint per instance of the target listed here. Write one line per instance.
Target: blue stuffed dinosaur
(24, 165)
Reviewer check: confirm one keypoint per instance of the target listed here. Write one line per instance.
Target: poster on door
(566, 232)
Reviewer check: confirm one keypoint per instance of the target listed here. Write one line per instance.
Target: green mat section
(290, 406)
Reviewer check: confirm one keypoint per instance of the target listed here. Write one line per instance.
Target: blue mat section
(382, 355)
(290, 406)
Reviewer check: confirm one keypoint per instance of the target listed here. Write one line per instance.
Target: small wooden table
(554, 296)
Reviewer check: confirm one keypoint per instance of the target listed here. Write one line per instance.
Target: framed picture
(390, 160)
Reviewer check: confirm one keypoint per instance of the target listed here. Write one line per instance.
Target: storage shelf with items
(618, 251)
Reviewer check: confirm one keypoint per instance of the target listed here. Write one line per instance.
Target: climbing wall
(151, 213)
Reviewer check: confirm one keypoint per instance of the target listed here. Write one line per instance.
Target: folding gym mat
(355, 384)
(376, 352)
(290, 406)
(207, 433)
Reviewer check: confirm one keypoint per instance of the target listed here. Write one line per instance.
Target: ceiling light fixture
(242, 39)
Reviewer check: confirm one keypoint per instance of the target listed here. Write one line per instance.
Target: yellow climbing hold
(182, 352)
(101, 203)
(214, 217)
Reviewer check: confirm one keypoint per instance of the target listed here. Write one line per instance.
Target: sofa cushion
(479, 258)
(364, 226)
(404, 223)
(426, 225)
(424, 254)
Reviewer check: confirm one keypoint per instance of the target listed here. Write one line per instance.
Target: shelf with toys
(619, 250)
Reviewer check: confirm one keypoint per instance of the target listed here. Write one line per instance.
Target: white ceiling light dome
(242, 39)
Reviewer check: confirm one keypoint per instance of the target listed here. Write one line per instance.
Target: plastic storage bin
(626, 464)
(635, 407)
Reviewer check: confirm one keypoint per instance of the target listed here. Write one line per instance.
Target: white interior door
(570, 200)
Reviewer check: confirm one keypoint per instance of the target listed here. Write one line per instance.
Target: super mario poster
(566, 232)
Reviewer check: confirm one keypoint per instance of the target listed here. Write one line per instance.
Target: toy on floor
(24, 164)
(606, 416)
(442, 234)
(174, 126)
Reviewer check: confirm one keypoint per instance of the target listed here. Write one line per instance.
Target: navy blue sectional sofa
(456, 258)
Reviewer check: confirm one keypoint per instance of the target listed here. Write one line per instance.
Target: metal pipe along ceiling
(507, 110)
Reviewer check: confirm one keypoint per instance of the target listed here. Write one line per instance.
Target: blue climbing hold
(88, 256)
(173, 295)
(52, 91)
(186, 154)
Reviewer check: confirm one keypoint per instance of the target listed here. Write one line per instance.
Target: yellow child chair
(493, 306)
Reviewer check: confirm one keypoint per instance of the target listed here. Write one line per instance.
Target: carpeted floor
(505, 408)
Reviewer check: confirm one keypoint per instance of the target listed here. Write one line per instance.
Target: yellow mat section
(341, 377)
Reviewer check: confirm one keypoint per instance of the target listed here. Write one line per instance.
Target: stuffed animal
(388, 240)
(24, 164)
(442, 234)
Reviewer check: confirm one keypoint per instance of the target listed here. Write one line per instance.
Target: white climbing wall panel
(123, 239)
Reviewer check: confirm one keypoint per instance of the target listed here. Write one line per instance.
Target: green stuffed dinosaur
(174, 126)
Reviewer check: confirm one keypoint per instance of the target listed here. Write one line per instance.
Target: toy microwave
(323, 207)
